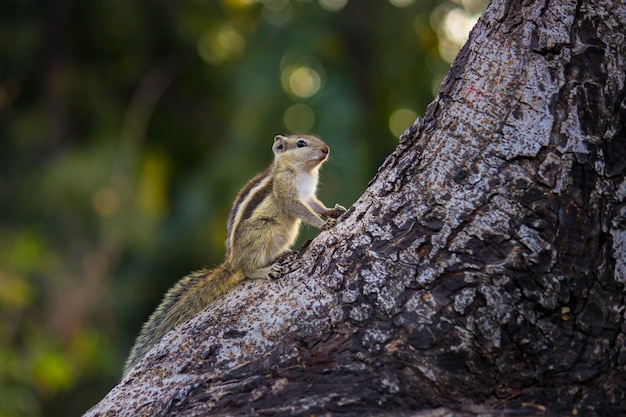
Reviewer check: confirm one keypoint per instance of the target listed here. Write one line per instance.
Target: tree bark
(482, 272)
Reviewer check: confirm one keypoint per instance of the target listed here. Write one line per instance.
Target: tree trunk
(485, 264)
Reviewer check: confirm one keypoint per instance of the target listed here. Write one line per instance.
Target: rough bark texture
(485, 264)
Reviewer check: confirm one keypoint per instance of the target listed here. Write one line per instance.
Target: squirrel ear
(279, 143)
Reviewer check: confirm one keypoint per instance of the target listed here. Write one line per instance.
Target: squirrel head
(302, 151)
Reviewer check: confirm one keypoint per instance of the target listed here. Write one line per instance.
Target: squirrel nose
(325, 149)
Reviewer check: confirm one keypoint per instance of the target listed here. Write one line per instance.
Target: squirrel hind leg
(273, 271)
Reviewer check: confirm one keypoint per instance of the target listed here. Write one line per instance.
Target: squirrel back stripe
(245, 204)
(255, 199)
(237, 204)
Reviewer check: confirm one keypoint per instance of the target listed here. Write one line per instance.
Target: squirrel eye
(301, 144)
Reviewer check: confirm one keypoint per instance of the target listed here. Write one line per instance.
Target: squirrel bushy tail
(185, 299)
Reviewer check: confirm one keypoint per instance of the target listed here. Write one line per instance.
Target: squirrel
(263, 223)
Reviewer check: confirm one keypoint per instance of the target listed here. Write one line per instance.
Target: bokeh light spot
(277, 12)
(333, 5)
(301, 81)
(400, 120)
(457, 25)
(299, 118)
(453, 26)
(218, 46)
(402, 3)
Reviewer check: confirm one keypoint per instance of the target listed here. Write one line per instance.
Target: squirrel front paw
(330, 223)
(336, 211)
(274, 271)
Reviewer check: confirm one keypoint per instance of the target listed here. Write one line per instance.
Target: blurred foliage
(127, 128)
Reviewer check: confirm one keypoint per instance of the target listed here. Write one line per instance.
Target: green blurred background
(127, 128)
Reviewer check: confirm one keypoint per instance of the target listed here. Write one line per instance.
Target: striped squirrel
(263, 222)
